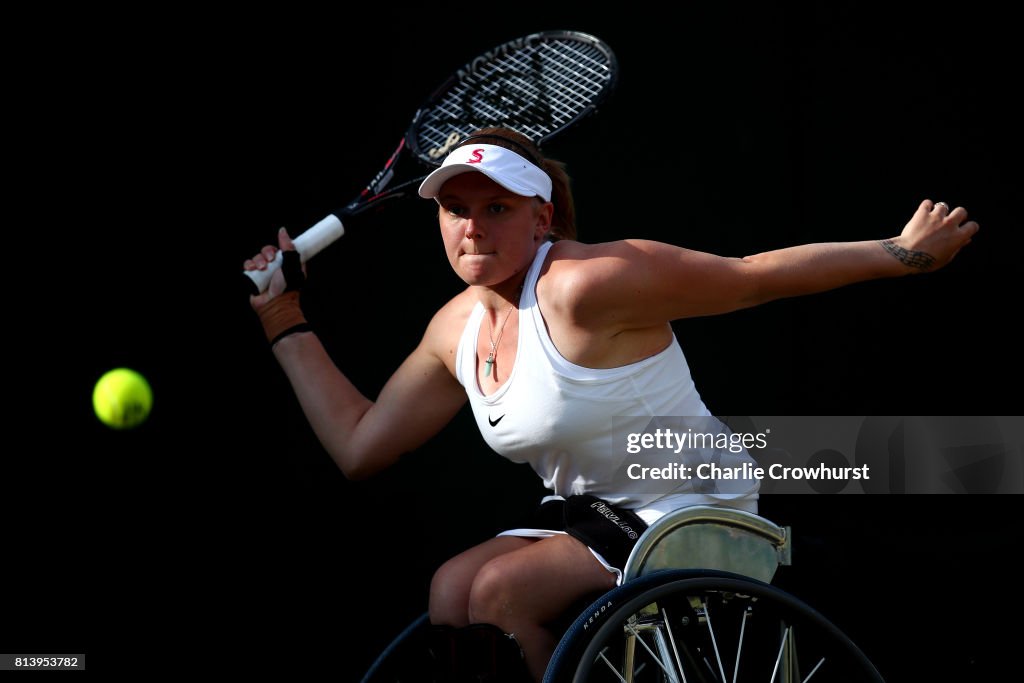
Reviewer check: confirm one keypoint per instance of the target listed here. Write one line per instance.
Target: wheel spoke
(739, 645)
(714, 643)
(816, 667)
(782, 647)
(672, 639)
(655, 657)
(612, 667)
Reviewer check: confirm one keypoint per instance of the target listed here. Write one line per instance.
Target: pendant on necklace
(488, 364)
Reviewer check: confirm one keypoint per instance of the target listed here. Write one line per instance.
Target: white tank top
(561, 418)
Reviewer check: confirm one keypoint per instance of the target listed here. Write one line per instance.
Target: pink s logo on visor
(476, 157)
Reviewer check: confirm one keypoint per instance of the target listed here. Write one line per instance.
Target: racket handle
(308, 244)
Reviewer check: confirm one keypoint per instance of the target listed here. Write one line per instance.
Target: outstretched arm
(677, 283)
(929, 241)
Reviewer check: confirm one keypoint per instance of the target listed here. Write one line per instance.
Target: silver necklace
(489, 363)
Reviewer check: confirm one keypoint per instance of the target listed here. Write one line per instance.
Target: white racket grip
(308, 244)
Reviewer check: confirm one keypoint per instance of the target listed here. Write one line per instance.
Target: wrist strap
(301, 327)
(282, 316)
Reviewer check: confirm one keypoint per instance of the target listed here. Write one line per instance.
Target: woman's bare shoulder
(574, 264)
(446, 326)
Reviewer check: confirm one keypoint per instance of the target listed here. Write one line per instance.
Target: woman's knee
(491, 598)
(452, 582)
(449, 594)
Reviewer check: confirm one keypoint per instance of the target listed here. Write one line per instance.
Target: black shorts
(608, 529)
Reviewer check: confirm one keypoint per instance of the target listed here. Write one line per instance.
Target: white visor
(503, 166)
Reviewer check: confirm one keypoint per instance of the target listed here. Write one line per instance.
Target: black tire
(403, 654)
(688, 600)
(422, 653)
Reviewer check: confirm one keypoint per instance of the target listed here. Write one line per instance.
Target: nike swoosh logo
(494, 423)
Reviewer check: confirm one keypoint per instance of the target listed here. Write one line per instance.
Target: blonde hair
(563, 222)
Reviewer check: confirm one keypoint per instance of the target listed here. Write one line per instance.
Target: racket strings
(561, 78)
(536, 90)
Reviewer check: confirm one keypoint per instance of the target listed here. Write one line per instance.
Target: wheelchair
(696, 605)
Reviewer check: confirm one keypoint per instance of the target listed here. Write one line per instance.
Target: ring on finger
(943, 204)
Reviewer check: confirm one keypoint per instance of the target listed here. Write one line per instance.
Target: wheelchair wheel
(405, 654)
(690, 626)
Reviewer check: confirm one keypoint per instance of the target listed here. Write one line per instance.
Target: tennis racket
(539, 85)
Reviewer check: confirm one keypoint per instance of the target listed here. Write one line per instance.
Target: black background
(166, 152)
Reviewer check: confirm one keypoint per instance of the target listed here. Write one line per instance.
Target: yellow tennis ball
(122, 398)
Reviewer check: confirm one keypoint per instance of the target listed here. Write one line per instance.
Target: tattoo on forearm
(915, 259)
